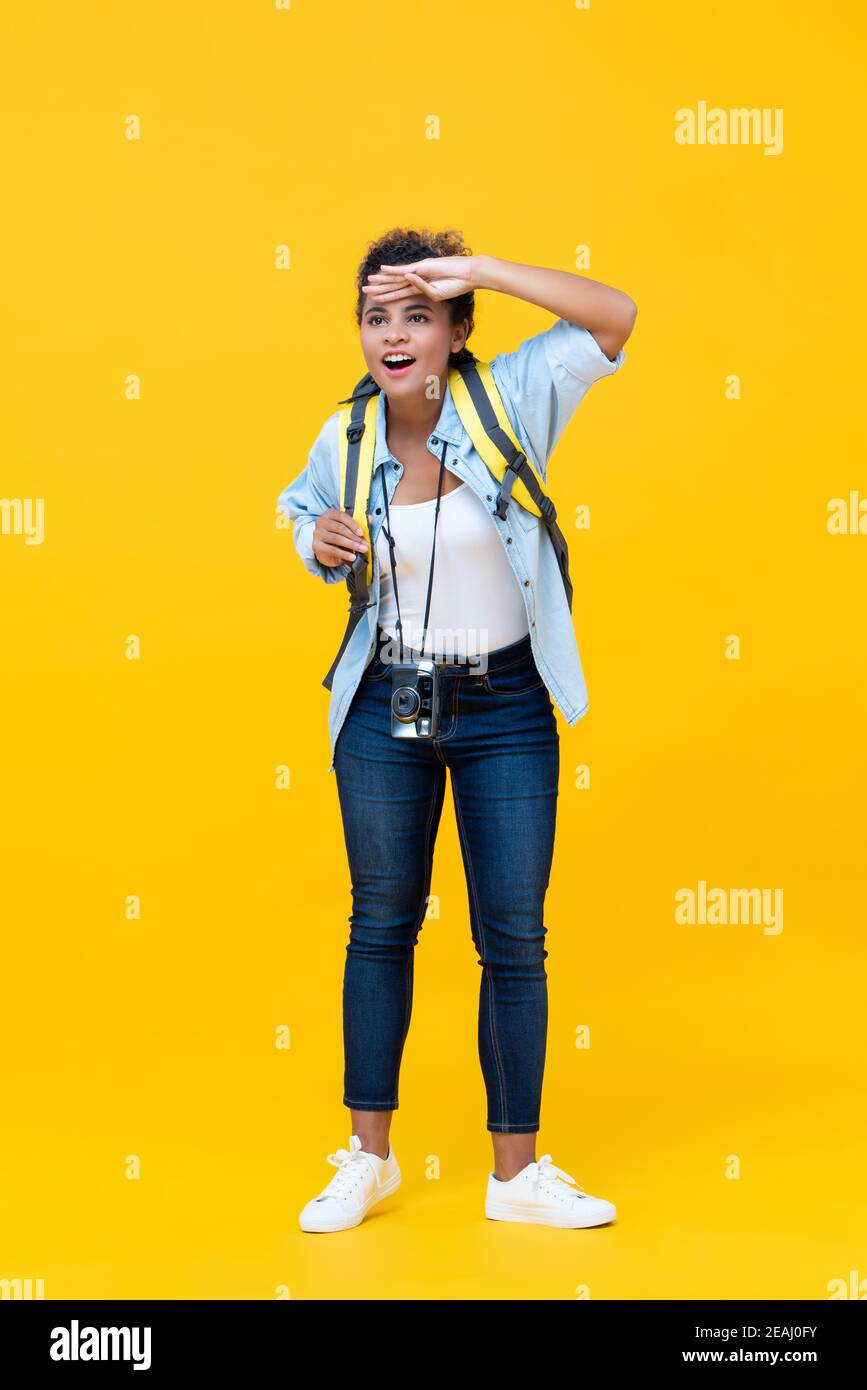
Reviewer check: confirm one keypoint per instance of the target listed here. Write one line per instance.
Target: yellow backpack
(481, 412)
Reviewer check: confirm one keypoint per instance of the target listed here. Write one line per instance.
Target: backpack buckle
(548, 510)
(354, 432)
(515, 464)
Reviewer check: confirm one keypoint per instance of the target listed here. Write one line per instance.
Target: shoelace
(351, 1167)
(547, 1174)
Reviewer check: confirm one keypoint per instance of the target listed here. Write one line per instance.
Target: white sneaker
(362, 1179)
(541, 1193)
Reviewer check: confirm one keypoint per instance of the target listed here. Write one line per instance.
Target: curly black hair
(401, 246)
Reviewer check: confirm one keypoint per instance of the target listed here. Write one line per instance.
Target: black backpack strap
(356, 579)
(360, 601)
(517, 465)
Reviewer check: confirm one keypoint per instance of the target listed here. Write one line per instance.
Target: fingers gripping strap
(356, 465)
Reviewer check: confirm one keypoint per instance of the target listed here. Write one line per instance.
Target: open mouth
(398, 363)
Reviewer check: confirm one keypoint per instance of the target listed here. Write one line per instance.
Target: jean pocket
(514, 680)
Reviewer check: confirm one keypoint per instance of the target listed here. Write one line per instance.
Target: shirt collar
(448, 428)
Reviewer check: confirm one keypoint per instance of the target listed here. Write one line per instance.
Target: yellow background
(156, 777)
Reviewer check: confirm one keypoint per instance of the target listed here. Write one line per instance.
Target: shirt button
(508, 540)
(397, 468)
(434, 440)
(526, 582)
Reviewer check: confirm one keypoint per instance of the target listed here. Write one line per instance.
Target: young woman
(483, 595)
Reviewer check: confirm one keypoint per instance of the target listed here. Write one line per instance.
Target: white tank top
(476, 601)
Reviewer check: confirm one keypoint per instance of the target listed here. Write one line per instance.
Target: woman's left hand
(438, 277)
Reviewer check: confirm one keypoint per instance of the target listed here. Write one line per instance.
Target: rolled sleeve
(545, 379)
(316, 488)
(577, 350)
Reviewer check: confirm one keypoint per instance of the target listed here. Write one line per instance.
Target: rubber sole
(498, 1211)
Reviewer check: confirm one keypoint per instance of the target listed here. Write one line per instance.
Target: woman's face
(413, 327)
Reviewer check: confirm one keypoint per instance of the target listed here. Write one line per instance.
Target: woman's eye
(377, 318)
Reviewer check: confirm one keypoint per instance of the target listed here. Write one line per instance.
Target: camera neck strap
(390, 540)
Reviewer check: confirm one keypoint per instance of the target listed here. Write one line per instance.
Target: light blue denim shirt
(541, 384)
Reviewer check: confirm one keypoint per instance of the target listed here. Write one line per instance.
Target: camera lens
(405, 703)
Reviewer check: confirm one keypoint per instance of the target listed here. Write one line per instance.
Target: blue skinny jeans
(499, 738)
